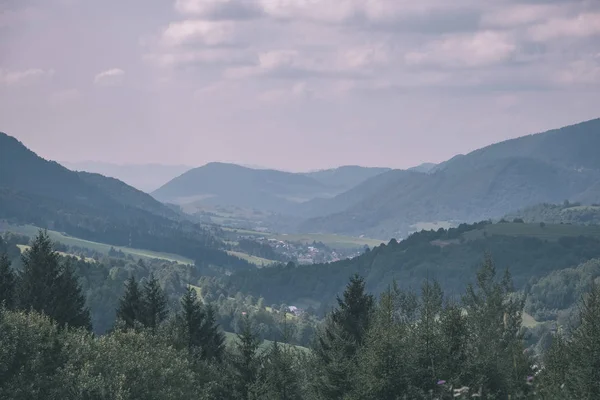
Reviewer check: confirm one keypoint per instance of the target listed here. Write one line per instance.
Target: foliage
(49, 287)
(450, 256)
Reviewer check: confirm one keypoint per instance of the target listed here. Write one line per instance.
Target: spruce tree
(130, 305)
(50, 288)
(246, 361)
(214, 346)
(497, 362)
(585, 349)
(341, 337)
(383, 366)
(7, 283)
(278, 378)
(71, 310)
(154, 304)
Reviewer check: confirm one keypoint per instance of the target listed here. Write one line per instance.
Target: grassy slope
(331, 240)
(31, 231)
(551, 232)
(258, 261)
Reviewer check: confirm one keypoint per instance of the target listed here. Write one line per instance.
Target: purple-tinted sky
(292, 84)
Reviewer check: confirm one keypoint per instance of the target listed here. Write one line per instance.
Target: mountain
(230, 184)
(345, 177)
(145, 177)
(425, 168)
(93, 207)
(490, 182)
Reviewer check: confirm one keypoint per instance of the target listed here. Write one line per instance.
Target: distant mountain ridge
(145, 177)
(490, 182)
(264, 189)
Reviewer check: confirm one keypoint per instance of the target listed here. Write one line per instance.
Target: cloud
(209, 33)
(109, 77)
(471, 50)
(350, 62)
(581, 72)
(582, 26)
(213, 56)
(510, 16)
(220, 9)
(24, 77)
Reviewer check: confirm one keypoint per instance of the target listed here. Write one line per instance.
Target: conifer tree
(278, 377)
(246, 361)
(154, 304)
(497, 362)
(7, 283)
(585, 349)
(71, 308)
(50, 288)
(190, 321)
(383, 366)
(130, 307)
(213, 347)
(343, 334)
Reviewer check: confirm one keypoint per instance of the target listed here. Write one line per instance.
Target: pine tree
(7, 283)
(497, 362)
(154, 304)
(382, 372)
(130, 305)
(246, 361)
(214, 346)
(47, 287)
(278, 377)
(39, 276)
(427, 344)
(585, 371)
(190, 321)
(343, 334)
(71, 310)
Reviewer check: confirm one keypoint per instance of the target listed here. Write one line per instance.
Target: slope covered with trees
(398, 345)
(93, 207)
(450, 256)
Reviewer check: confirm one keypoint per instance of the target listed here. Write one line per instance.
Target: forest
(401, 344)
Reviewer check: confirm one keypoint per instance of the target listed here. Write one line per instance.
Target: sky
(292, 84)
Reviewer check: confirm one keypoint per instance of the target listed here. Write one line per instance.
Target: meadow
(31, 231)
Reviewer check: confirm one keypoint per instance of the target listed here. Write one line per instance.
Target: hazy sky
(294, 84)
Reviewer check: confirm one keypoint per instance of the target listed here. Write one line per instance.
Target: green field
(549, 232)
(31, 231)
(432, 226)
(331, 240)
(258, 261)
(24, 248)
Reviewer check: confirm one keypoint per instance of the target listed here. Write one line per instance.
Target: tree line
(401, 345)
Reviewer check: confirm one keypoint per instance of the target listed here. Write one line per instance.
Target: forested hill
(90, 206)
(449, 256)
(230, 184)
(565, 213)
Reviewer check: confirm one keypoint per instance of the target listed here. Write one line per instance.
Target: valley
(264, 255)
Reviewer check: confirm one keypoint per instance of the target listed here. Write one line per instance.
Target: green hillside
(98, 209)
(450, 256)
(566, 213)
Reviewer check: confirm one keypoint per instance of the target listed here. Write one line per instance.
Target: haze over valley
(299, 200)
